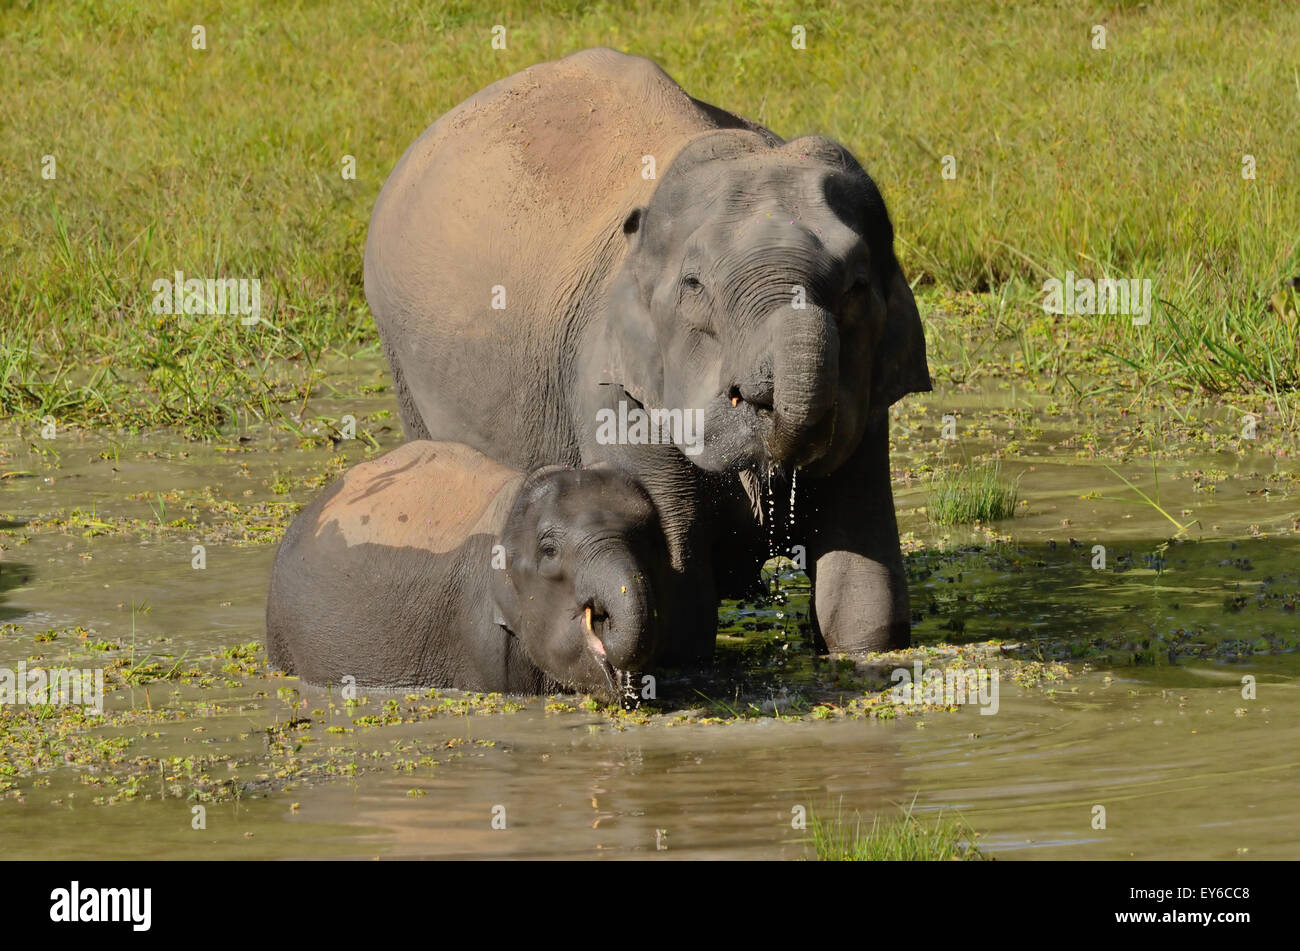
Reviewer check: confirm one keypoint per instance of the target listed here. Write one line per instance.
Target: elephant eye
(549, 563)
(691, 283)
(858, 290)
(859, 282)
(859, 272)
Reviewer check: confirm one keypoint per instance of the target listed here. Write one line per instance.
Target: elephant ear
(899, 366)
(635, 360)
(505, 597)
(505, 602)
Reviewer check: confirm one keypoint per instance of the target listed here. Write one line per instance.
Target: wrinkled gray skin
(675, 291)
(389, 577)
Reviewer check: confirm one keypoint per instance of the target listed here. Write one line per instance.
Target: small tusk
(735, 401)
(586, 614)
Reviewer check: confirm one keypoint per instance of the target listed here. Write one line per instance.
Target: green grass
(904, 839)
(226, 163)
(969, 493)
(1154, 503)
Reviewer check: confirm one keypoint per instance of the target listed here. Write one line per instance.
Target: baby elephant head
(585, 556)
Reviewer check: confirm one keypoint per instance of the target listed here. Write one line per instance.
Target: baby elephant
(435, 566)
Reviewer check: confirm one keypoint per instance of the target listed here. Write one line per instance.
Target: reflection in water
(1178, 772)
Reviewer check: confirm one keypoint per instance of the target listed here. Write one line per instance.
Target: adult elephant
(584, 233)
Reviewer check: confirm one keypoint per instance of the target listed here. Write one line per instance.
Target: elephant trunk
(619, 610)
(805, 372)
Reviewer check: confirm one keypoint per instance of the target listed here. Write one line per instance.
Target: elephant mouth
(618, 683)
(591, 621)
(773, 442)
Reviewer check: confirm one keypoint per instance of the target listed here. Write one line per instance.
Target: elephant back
(425, 495)
(532, 168)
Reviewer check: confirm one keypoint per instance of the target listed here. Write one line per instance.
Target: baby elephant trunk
(805, 373)
(622, 616)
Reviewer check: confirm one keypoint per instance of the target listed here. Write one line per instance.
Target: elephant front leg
(860, 598)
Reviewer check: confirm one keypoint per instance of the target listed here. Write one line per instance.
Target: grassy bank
(227, 162)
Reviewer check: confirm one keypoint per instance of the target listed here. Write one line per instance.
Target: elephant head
(584, 558)
(760, 287)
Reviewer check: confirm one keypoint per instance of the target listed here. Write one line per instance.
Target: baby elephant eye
(549, 563)
(691, 283)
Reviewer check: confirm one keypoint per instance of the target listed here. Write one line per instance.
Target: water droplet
(771, 512)
(794, 481)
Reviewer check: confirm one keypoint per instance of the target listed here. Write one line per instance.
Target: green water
(1148, 721)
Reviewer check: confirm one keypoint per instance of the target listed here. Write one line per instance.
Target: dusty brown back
(427, 495)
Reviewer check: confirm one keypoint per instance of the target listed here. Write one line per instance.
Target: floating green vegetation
(296, 735)
(905, 839)
(1158, 649)
(971, 493)
(209, 517)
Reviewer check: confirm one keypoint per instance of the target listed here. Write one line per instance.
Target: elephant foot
(886, 637)
(860, 604)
